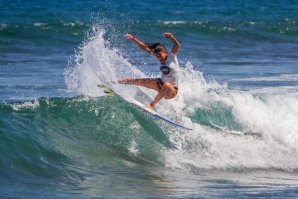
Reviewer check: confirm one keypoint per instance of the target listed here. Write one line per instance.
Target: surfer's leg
(126, 81)
(167, 91)
(151, 83)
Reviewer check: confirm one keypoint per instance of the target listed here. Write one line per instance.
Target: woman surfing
(167, 84)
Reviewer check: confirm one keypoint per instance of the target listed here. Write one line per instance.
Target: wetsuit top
(170, 69)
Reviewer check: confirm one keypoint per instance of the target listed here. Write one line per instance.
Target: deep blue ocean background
(62, 137)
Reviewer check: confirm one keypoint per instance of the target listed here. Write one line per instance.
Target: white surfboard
(139, 104)
(158, 115)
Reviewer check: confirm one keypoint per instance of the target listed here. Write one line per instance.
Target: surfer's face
(162, 56)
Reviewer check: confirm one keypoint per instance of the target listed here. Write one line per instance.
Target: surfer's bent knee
(167, 86)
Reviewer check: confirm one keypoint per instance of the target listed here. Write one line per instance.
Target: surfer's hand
(168, 35)
(129, 36)
(150, 106)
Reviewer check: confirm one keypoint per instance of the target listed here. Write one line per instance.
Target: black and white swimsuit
(170, 69)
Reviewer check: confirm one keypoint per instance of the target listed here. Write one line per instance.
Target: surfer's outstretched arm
(176, 46)
(139, 43)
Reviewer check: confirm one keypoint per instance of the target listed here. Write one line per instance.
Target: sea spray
(97, 62)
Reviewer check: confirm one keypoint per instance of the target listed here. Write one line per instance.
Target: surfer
(167, 84)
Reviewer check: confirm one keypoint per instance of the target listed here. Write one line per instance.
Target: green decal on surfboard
(107, 90)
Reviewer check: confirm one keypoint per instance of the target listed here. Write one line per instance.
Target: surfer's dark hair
(156, 47)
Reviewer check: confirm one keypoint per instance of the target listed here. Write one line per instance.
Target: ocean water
(63, 137)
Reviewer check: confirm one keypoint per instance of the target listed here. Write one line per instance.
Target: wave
(233, 129)
(282, 77)
(58, 136)
(61, 137)
(17, 37)
(250, 30)
(67, 28)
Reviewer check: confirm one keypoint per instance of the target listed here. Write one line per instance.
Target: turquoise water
(63, 137)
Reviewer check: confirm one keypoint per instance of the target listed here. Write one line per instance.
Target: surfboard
(143, 107)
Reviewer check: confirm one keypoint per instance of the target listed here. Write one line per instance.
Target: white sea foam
(282, 77)
(269, 124)
(174, 22)
(19, 106)
(133, 149)
(40, 24)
